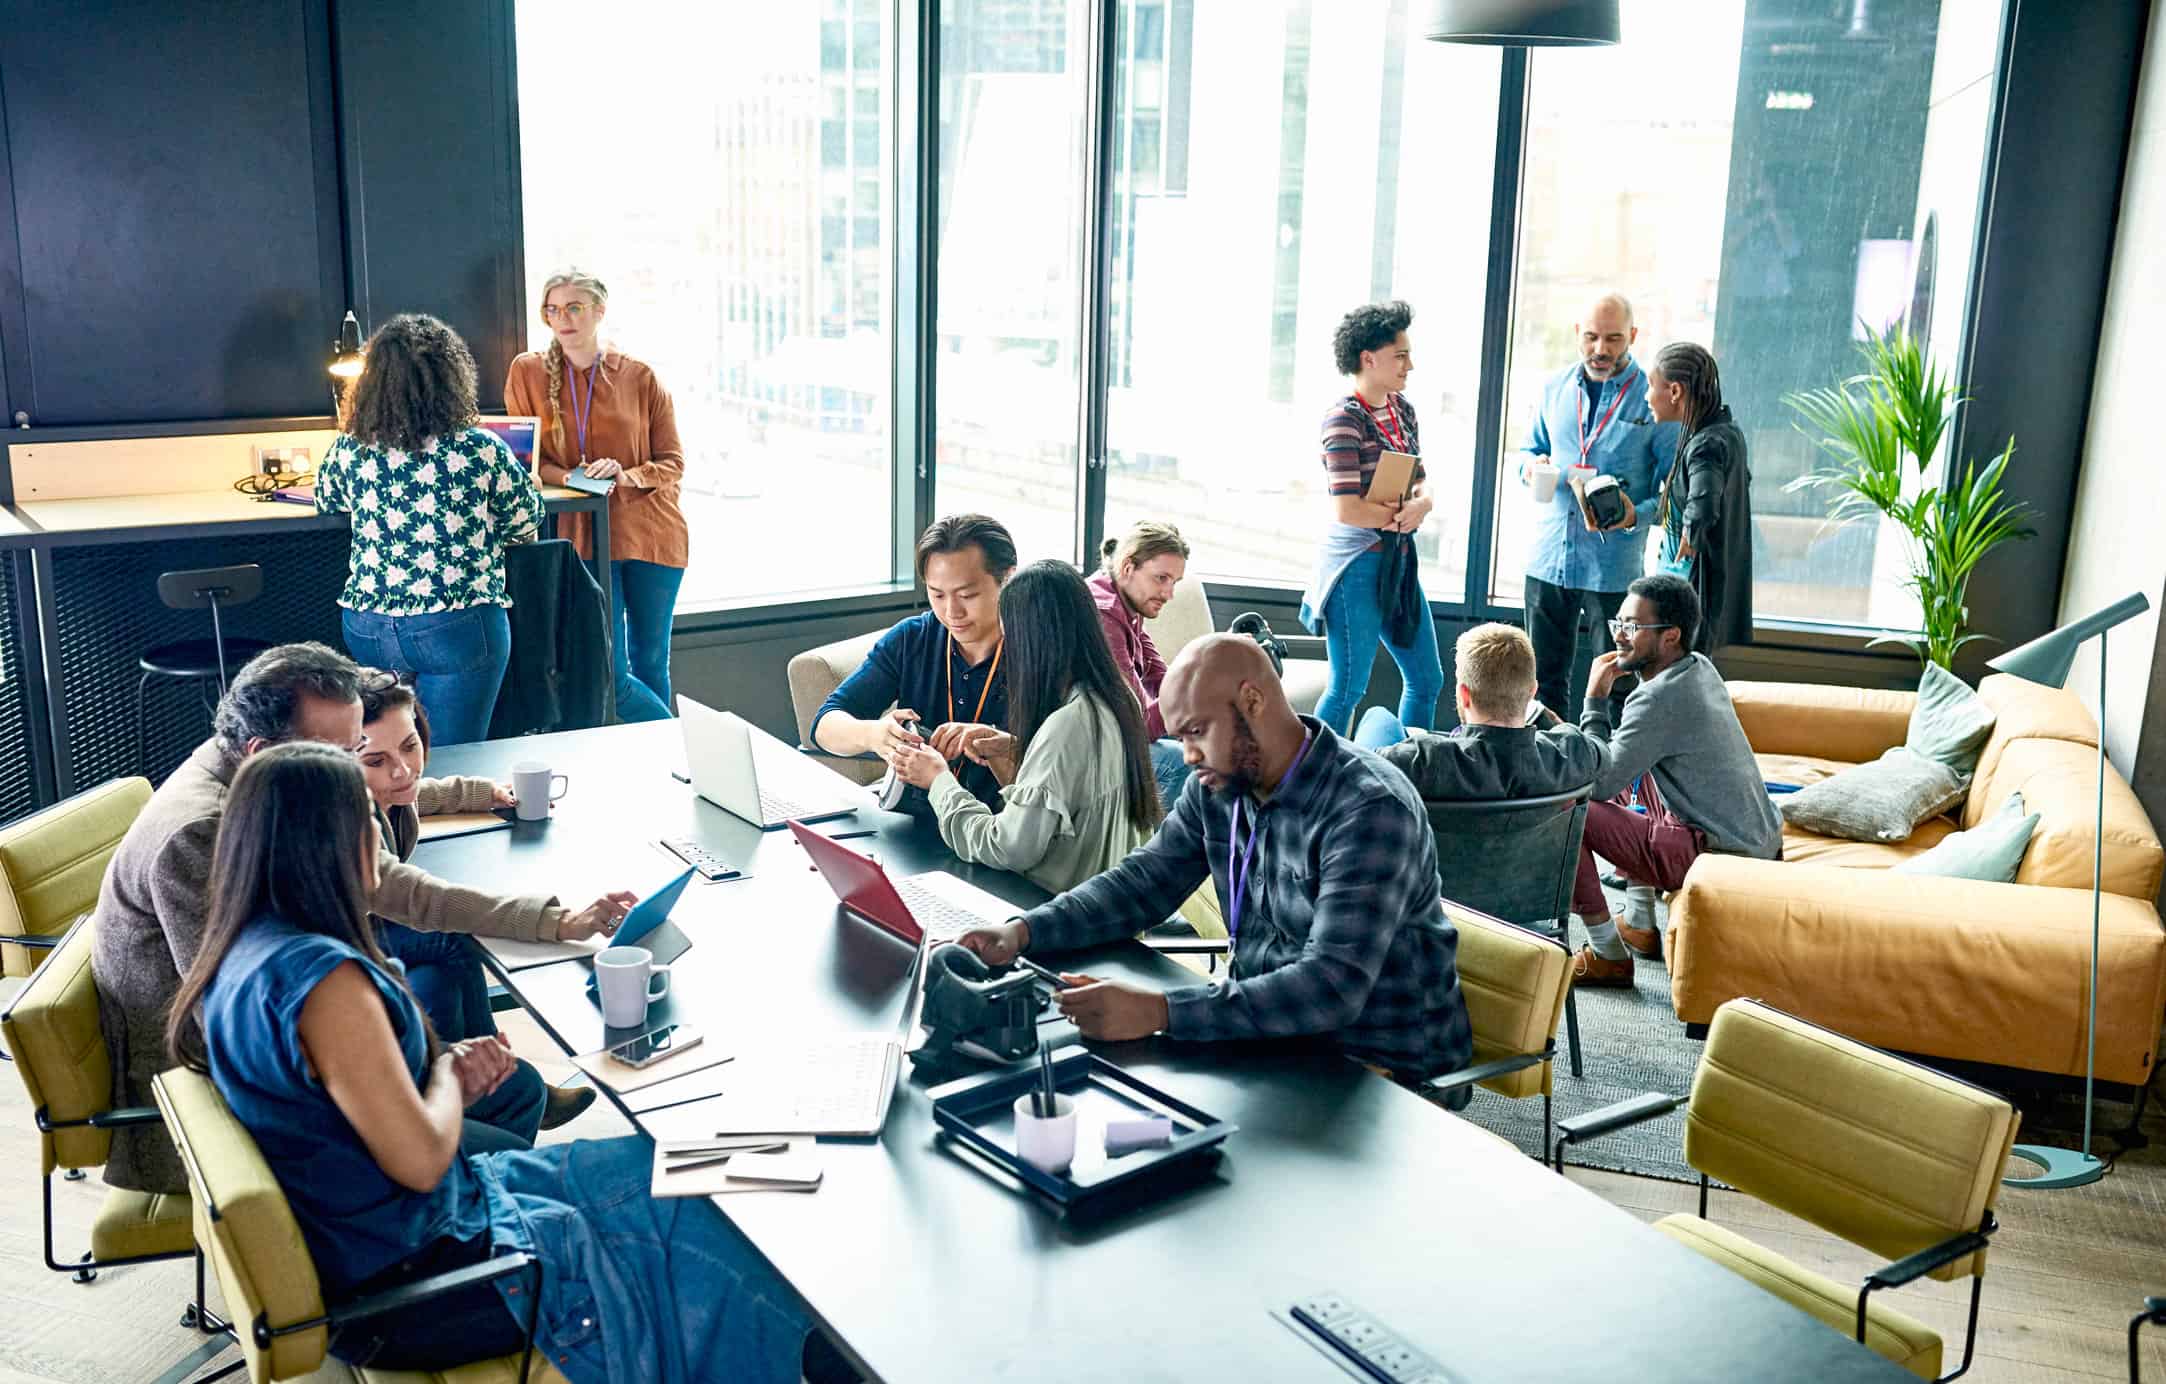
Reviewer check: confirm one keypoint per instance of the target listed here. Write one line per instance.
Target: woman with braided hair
(1706, 503)
(605, 415)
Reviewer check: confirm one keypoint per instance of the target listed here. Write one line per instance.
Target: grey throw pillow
(1992, 850)
(1882, 801)
(1950, 722)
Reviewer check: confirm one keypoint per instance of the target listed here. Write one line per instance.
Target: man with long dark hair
(1327, 869)
(1075, 770)
(151, 907)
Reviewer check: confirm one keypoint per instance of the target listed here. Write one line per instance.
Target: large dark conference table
(924, 1268)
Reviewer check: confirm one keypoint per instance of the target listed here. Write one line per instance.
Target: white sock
(1602, 936)
(1639, 908)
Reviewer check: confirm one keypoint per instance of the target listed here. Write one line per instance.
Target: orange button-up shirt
(633, 423)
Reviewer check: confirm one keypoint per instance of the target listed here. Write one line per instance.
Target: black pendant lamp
(1523, 23)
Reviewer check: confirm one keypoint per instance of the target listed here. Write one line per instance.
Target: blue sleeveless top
(357, 1221)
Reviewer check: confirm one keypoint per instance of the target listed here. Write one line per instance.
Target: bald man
(1323, 859)
(1594, 421)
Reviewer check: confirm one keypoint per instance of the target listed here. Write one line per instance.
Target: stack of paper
(719, 1167)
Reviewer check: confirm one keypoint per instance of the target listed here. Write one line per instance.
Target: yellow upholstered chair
(1890, 1155)
(52, 1031)
(1513, 982)
(245, 1225)
(51, 864)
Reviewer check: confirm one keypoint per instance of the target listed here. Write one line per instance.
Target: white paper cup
(1543, 477)
(1048, 1143)
(624, 976)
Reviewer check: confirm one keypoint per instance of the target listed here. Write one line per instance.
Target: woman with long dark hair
(1706, 504)
(318, 1047)
(442, 968)
(1074, 766)
(435, 501)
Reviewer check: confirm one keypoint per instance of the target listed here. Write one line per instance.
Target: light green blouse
(1065, 818)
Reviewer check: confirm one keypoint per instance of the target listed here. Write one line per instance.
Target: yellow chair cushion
(52, 1029)
(131, 1224)
(1895, 1335)
(1513, 984)
(504, 1370)
(52, 863)
(244, 1225)
(1883, 1152)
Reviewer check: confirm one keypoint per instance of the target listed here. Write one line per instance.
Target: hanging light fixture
(345, 361)
(1523, 23)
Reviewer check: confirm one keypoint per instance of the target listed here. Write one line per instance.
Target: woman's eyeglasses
(570, 312)
(1630, 629)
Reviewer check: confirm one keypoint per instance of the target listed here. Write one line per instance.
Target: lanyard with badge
(983, 692)
(1586, 443)
(1240, 861)
(580, 413)
(1393, 431)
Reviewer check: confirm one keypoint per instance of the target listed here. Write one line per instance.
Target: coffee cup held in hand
(1542, 476)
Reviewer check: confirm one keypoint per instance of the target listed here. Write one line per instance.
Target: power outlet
(272, 461)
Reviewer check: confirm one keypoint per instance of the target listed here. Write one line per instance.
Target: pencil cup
(1047, 1143)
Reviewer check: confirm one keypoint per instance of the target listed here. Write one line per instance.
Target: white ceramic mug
(1047, 1142)
(625, 977)
(1543, 477)
(535, 785)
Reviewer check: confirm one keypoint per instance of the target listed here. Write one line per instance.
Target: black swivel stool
(205, 662)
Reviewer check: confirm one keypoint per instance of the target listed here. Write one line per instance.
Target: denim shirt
(1633, 447)
(1342, 930)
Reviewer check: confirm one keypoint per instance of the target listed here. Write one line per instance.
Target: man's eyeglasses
(1630, 629)
(570, 312)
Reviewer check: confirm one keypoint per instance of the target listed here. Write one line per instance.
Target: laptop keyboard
(774, 807)
(942, 919)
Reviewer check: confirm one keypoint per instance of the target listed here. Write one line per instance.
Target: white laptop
(743, 770)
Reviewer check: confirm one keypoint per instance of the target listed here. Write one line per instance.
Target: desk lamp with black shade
(345, 363)
(2046, 660)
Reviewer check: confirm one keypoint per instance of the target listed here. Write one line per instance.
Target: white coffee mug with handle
(535, 785)
(625, 977)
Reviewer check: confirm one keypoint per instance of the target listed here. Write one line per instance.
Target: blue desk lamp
(2047, 660)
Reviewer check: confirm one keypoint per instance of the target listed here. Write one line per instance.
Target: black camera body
(1606, 502)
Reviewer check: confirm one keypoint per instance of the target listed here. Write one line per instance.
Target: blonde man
(1498, 750)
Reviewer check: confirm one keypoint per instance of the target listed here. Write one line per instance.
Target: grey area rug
(1631, 1041)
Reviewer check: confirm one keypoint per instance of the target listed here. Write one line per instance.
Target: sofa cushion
(1800, 846)
(2022, 711)
(1799, 769)
(2059, 781)
(1881, 801)
(1851, 724)
(1950, 722)
(1992, 850)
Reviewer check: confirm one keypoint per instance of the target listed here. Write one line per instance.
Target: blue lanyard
(580, 413)
(1239, 864)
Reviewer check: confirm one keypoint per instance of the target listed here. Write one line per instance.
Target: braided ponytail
(555, 365)
(1694, 368)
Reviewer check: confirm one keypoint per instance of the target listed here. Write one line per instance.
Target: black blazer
(561, 675)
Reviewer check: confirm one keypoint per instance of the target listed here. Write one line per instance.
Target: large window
(1278, 162)
(1013, 77)
(726, 171)
(1757, 176)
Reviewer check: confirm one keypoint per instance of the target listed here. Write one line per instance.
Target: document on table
(623, 1078)
(442, 825)
(722, 1167)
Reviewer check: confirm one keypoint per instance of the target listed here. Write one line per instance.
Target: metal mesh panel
(109, 614)
(18, 776)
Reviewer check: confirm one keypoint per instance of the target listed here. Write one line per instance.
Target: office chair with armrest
(245, 1225)
(1514, 982)
(52, 863)
(1890, 1155)
(1513, 859)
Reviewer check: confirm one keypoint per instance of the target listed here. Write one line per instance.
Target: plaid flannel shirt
(1342, 931)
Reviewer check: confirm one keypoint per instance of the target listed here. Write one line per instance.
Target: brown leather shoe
(1646, 941)
(564, 1104)
(1589, 969)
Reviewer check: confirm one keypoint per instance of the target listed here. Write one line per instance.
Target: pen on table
(1044, 1100)
(842, 836)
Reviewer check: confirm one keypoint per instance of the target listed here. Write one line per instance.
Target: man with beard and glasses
(1324, 860)
(1680, 757)
(1594, 421)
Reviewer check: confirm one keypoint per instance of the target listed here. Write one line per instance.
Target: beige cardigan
(1065, 818)
(150, 918)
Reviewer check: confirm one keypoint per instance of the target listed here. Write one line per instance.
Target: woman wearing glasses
(605, 415)
(1706, 509)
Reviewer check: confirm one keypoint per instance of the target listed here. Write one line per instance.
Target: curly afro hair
(1370, 327)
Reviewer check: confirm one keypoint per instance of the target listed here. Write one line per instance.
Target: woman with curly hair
(435, 501)
(605, 415)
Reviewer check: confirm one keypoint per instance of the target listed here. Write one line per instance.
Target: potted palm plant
(1880, 430)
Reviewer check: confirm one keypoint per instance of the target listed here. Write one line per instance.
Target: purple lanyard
(580, 413)
(1239, 865)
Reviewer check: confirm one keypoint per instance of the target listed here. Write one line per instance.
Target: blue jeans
(633, 1288)
(1379, 729)
(1170, 770)
(456, 657)
(1353, 627)
(643, 601)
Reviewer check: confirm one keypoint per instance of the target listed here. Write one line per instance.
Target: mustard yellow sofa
(1994, 973)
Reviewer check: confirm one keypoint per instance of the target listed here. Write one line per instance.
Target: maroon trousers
(1652, 847)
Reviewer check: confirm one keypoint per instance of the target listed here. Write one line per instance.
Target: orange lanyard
(983, 692)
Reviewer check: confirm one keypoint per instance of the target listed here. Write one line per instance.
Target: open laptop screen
(517, 433)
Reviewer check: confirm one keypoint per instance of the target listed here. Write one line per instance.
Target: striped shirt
(1342, 931)
(1354, 441)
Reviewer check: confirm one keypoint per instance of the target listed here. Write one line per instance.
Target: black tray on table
(978, 1112)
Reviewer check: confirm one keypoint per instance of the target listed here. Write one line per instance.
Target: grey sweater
(1680, 727)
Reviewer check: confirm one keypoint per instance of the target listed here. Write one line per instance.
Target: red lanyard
(983, 692)
(1586, 443)
(1395, 434)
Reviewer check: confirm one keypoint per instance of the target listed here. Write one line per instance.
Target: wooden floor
(2068, 1268)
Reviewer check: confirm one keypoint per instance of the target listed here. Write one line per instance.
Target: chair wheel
(85, 1274)
(72, 1175)
(189, 1318)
